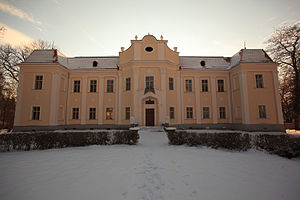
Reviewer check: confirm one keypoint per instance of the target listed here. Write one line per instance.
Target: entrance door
(150, 117)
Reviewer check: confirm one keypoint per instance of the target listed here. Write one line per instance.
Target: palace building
(148, 84)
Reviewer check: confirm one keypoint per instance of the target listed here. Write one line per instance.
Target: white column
(83, 100)
(244, 97)
(137, 51)
(100, 103)
(214, 99)
(17, 120)
(135, 95)
(163, 110)
(179, 98)
(277, 97)
(54, 98)
(197, 90)
(119, 97)
(229, 92)
(161, 51)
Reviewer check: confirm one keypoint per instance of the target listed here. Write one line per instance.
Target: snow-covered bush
(60, 139)
(281, 144)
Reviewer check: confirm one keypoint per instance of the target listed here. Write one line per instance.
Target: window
(127, 113)
(188, 85)
(93, 85)
(95, 63)
(149, 82)
(172, 113)
(205, 112)
(109, 113)
(220, 85)
(171, 83)
(149, 49)
(262, 112)
(36, 113)
(259, 81)
(76, 87)
(75, 113)
(189, 112)
(38, 82)
(204, 85)
(110, 86)
(128, 84)
(149, 101)
(92, 113)
(222, 113)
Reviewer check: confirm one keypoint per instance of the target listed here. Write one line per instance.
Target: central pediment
(149, 49)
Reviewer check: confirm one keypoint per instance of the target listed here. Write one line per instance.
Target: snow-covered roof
(186, 62)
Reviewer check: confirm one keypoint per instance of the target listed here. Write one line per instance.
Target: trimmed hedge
(283, 145)
(46, 140)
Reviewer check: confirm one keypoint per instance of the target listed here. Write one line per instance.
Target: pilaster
(214, 99)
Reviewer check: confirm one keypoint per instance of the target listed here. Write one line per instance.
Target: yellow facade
(148, 84)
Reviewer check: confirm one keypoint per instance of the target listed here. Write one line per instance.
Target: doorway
(149, 116)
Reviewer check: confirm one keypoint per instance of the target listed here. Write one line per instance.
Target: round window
(149, 49)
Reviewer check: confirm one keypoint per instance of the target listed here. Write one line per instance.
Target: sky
(101, 27)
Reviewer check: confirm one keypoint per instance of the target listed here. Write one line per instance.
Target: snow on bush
(60, 139)
(281, 144)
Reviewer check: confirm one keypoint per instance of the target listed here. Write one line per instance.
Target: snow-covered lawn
(150, 170)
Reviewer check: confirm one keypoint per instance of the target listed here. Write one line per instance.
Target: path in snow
(151, 170)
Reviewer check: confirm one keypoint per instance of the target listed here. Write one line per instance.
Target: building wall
(57, 99)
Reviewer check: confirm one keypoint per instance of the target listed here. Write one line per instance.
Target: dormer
(149, 49)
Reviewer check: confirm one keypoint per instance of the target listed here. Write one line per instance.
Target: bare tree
(284, 48)
(10, 57)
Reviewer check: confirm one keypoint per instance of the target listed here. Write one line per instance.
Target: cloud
(19, 13)
(14, 37)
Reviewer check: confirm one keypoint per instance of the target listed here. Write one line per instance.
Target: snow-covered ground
(150, 170)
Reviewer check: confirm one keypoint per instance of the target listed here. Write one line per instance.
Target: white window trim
(226, 113)
(34, 77)
(73, 85)
(258, 112)
(208, 85)
(185, 110)
(263, 77)
(209, 112)
(184, 85)
(88, 117)
(174, 112)
(78, 113)
(224, 81)
(31, 111)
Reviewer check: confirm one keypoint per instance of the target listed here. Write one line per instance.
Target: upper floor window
(220, 85)
(127, 113)
(172, 113)
(262, 111)
(76, 87)
(189, 112)
(38, 82)
(188, 85)
(204, 85)
(222, 112)
(36, 113)
(93, 85)
(75, 113)
(110, 86)
(259, 81)
(149, 82)
(128, 84)
(92, 114)
(171, 83)
(205, 112)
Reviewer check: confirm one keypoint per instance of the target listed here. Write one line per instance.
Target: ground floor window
(205, 112)
(92, 113)
(36, 113)
(127, 113)
(222, 113)
(109, 113)
(262, 111)
(75, 113)
(189, 112)
(172, 113)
